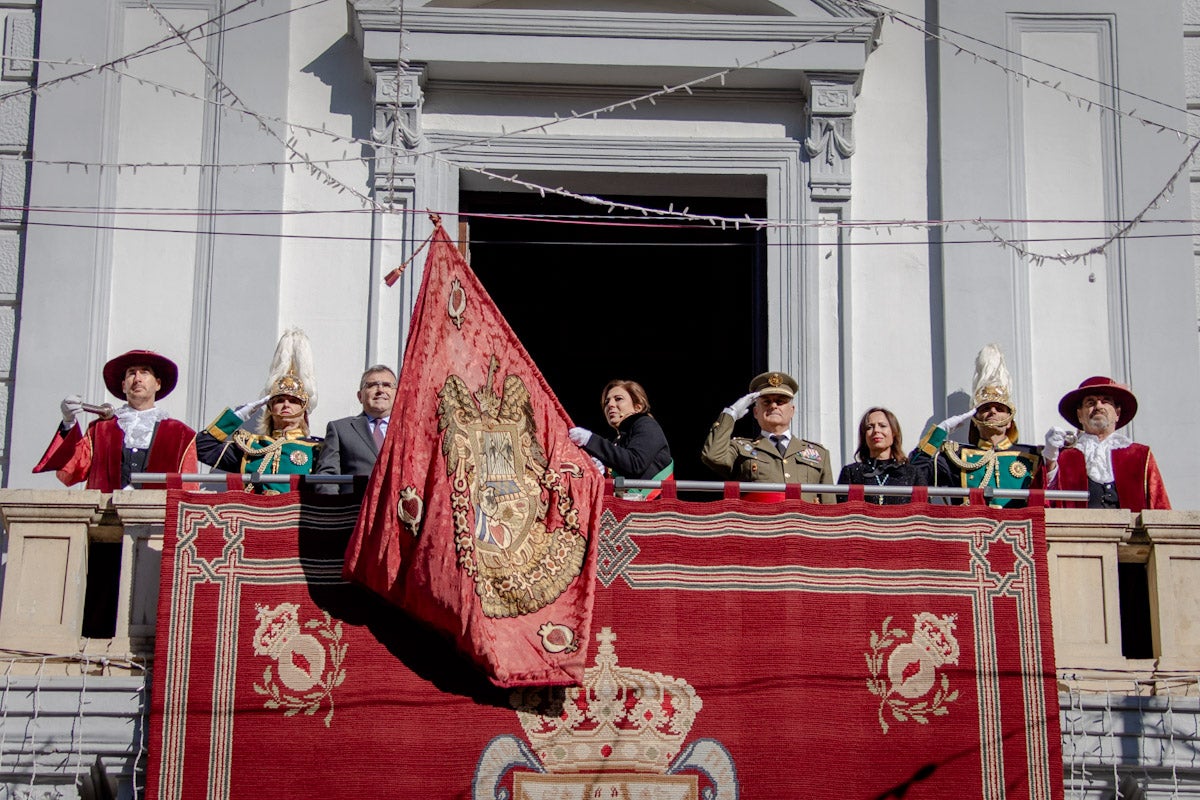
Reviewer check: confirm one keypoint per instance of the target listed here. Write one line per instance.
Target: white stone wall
(889, 333)
(1191, 65)
(326, 284)
(16, 72)
(862, 323)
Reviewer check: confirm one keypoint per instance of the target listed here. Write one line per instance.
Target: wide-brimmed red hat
(1098, 384)
(164, 369)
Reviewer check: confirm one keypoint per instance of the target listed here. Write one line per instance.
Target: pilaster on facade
(830, 141)
(16, 71)
(1191, 76)
(399, 95)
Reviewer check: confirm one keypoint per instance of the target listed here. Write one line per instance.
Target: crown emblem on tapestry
(935, 636)
(620, 719)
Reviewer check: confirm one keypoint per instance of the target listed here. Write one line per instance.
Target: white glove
(72, 406)
(600, 466)
(245, 412)
(954, 423)
(739, 409)
(580, 436)
(1056, 440)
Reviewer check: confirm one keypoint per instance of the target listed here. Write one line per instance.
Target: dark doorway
(678, 307)
(1133, 585)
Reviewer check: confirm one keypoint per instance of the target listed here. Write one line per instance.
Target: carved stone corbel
(397, 131)
(830, 141)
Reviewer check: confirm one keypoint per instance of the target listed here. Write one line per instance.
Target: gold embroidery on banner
(501, 495)
(456, 303)
(411, 509)
(558, 638)
(903, 685)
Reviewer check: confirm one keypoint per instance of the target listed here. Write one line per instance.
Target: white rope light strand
(289, 144)
(153, 47)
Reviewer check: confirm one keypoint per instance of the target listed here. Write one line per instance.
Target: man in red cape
(137, 437)
(480, 516)
(1116, 471)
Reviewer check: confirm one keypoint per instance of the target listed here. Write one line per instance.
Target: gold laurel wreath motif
(901, 709)
(310, 702)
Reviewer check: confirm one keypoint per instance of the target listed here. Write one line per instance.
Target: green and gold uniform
(225, 446)
(1004, 465)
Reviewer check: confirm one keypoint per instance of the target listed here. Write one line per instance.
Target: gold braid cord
(988, 460)
(502, 493)
(270, 454)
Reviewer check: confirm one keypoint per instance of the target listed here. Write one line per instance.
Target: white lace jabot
(1097, 454)
(138, 426)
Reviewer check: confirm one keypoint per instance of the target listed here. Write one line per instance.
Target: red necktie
(377, 432)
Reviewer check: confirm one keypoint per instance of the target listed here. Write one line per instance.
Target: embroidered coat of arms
(502, 493)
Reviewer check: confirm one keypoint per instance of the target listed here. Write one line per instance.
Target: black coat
(639, 452)
(885, 472)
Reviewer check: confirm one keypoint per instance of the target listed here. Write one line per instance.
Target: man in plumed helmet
(1116, 471)
(992, 457)
(280, 444)
(775, 455)
(138, 436)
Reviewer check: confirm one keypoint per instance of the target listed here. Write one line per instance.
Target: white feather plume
(991, 371)
(294, 354)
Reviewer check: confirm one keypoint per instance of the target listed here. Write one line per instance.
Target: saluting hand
(951, 424)
(739, 408)
(245, 412)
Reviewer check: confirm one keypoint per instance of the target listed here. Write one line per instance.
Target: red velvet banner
(480, 514)
(779, 650)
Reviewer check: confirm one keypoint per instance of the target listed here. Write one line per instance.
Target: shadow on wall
(340, 68)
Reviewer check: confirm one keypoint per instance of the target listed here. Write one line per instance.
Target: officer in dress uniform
(992, 456)
(282, 444)
(775, 456)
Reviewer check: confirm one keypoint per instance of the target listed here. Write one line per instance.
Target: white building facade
(886, 190)
(198, 199)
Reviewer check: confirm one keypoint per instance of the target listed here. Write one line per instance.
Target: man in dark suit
(352, 443)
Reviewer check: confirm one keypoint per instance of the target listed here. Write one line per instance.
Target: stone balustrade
(1124, 591)
(80, 587)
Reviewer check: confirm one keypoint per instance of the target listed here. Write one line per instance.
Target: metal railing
(989, 492)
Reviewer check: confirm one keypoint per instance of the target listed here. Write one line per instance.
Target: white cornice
(545, 90)
(381, 15)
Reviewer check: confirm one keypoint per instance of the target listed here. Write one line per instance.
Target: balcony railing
(80, 593)
(81, 579)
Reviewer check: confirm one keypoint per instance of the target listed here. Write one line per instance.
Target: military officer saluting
(776, 456)
(992, 456)
(281, 445)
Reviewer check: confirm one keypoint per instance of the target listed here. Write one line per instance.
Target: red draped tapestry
(739, 650)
